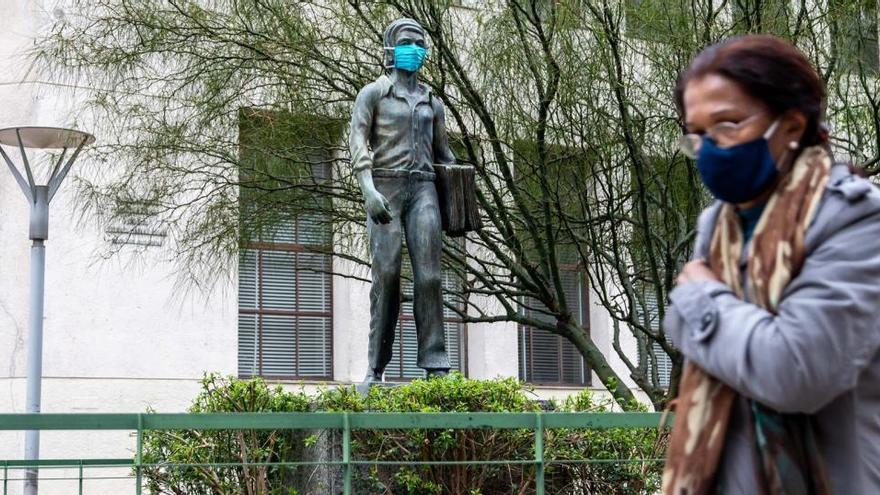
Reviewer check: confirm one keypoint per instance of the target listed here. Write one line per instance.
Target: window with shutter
(403, 362)
(549, 359)
(657, 355)
(285, 283)
(558, 177)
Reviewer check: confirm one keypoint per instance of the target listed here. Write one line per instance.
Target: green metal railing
(344, 421)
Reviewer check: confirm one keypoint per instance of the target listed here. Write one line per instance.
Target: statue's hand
(377, 207)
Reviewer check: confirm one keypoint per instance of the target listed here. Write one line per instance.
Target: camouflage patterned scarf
(789, 459)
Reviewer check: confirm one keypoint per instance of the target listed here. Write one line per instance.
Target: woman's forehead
(712, 92)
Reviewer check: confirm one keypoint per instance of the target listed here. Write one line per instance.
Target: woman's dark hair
(769, 69)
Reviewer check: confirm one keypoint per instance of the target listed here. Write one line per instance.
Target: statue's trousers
(416, 215)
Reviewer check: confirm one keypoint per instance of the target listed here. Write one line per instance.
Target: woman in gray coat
(777, 315)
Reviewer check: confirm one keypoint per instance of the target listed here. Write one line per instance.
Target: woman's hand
(696, 271)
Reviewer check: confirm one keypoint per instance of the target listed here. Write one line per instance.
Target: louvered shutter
(285, 321)
(248, 362)
(547, 358)
(311, 231)
(452, 324)
(658, 356)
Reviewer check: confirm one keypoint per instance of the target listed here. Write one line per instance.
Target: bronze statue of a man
(398, 132)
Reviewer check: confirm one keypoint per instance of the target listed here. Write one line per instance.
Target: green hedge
(620, 452)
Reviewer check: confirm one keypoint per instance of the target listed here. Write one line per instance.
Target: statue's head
(405, 45)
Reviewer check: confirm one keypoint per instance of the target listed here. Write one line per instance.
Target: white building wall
(351, 323)
(492, 348)
(115, 337)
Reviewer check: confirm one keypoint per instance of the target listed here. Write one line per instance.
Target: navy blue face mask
(738, 173)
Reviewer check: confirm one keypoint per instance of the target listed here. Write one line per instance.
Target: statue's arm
(362, 158)
(442, 151)
(361, 123)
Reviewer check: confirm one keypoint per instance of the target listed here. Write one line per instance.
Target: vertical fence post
(137, 458)
(80, 477)
(346, 454)
(5, 477)
(539, 454)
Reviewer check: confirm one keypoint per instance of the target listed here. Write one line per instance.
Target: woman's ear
(787, 139)
(793, 127)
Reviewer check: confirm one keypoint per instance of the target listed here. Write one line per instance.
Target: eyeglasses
(724, 134)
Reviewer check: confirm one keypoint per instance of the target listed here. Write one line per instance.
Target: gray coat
(819, 355)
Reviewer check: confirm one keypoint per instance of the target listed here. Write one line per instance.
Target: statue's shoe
(371, 379)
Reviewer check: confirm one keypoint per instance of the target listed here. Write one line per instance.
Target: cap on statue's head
(390, 37)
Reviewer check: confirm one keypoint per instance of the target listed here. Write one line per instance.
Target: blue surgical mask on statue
(737, 173)
(409, 57)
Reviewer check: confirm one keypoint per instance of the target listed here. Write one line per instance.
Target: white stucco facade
(118, 336)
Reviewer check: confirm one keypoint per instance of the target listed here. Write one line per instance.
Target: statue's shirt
(390, 131)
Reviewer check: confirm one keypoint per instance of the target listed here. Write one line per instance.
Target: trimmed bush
(451, 394)
(621, 457)
(622, 460)
(228, 446)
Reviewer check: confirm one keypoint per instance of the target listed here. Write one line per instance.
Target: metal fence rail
(344, 421)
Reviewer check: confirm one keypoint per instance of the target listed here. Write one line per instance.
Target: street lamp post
(39, 197)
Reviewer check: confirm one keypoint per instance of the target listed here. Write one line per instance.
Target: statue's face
(410, 37)
(409, 50)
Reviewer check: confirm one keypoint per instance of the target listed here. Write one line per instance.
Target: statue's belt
(408, 174)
